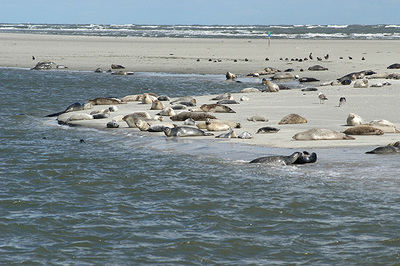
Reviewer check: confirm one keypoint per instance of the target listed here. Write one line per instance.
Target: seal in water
(73, 107)
(321, 134)
(278, 159)
(388, 149)
(216, 108)
(183, 131)
(112, 124)
(306, 157)
(264, 130)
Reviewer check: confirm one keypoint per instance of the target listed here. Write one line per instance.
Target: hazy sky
(261, 12)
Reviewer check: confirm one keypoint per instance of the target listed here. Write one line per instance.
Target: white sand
(179, 56)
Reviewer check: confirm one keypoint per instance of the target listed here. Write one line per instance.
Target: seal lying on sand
(278, 159)
(363, 130)
(264, 130)
(388, 149)
(185, 132)
(321, 134)
(292, 119)
(194, 115)
(216, 108)
(104, 101)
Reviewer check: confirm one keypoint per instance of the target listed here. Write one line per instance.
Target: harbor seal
(278, 159)
(292, 119)
(225, 96)
(317, 68)
(363, 130)
(216, 126)
(190, 103)
(264, 130)
(189, 122)
(183, 99)
(384, 125)
(394, 66)
(306, 157)
(184, 131)
(80, 116)
(271, 87)
(258, 118)
(104, 101)
(216, 108)
(227, 102)
(163, 98)
(147, 99)
(72, 107)
(194, 115)
(203, 125)
(245, 135)
(250, 90)
(132, 98)
(112, 124)
(354, 120)
(228, 135)
(157, 105)
(388, 149)
(361, 83)
(230, 76)
(321, 134)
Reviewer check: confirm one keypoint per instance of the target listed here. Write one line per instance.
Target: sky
(203, 12)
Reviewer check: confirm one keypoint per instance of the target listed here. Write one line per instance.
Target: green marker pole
(269, 38)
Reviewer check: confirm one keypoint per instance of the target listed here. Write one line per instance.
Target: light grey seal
(245, 135)
(227, 135)
(216, 108)
(185, 132)
(189, 122)
(321, 134)
(278, 159)
(104, 101)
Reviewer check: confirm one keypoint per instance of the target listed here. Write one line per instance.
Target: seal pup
(184, 131)
(278, 159)
(245, 135)
(157, 105)
(264, 130)
(306, 157)
(194, 115)
(216, 108)
(258, 118)
(322, 97)
(354, 120)
(342, 101)
(112, 124)
(292, 119)
(227, 135)
(363, 130)
(321, 134)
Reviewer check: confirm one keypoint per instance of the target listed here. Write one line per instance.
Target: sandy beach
(181, 56)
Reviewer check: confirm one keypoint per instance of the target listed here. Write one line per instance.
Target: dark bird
(33, 58)
(363, 58)
(326, 56)
(350, 57)
(342, 101)
(319, 58)
(267, 59)
(341, 57)
(310, 56)
(82, 141)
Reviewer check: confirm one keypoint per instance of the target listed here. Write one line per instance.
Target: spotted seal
(321, 134)
(388, 149)
(194, 115)
(363, 130)
(278, 159)
(264, 130)
(104, 101)
(292, 119)
(183, 131)
(354, 120)
(73, 107)
(306, 157)
(216, 108)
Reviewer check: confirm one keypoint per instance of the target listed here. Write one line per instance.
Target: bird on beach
(310, 56)
(33, 58)
(322, 97)
(319, 58)
(342, 101)
(350, 57)
(326, 56)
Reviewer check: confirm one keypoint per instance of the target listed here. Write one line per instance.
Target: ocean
(370, 32)
(124, 198)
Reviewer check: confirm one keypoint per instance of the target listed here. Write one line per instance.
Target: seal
(203, 125)
(163, 98)
(132, 98)
(194, 115)
(278, 159)
(264, 130)
(245, 135)
(158, 128)
(72, 107)
(384, 125)
(363, 130)
(317, 68)
(361, 83)
(190, 103)
(271, 87)
(141, 124)
(250, 90)
(227, 102)
(216, 108)
(157, 105)
(306, 79)
(388, 149)
(258, 118)
(225, 96)
(183, 99)
(112, 124)
(189, 122)
(101, 115)
(292, 119)
(147, 99)
(81, 116)
(228, 135)
(216, 126)
(131, 118)
(321, 134)
(306, 157)
(285, 75)
(179, 107)
(183, 131)
(104, 101)
(354, 120)
(230, 76)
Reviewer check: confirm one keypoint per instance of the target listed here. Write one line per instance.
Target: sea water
(122, 197)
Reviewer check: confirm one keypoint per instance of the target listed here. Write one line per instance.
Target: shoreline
(179, 56)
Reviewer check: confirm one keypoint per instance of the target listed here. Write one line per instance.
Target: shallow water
(122, 197)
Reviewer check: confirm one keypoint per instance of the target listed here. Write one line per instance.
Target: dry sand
(180, 56)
